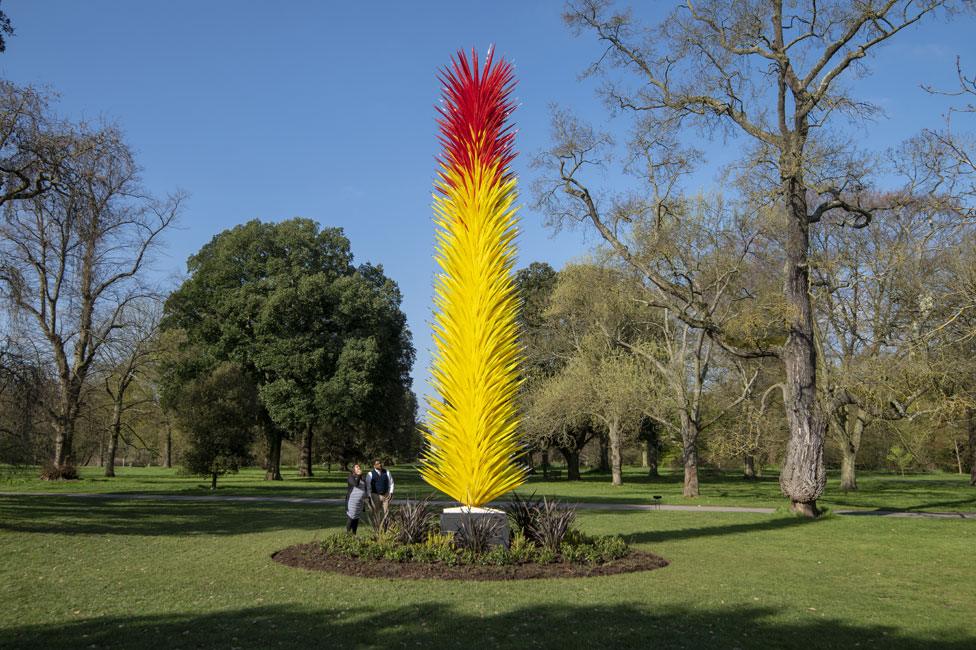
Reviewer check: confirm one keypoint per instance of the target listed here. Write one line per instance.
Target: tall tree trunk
(957, 447)
(305, 455)
(645, 453)
(213, 481)
(749, 467)
(113, 439)
(62, 442)
(604, 454)
(803, 477)
(64, 436)
(652, 461)
(572, 457)
(689, 439)
(168, 447)
(273, 437)
(690, 488)
(616, 456)
(848, 477)
(853, 429)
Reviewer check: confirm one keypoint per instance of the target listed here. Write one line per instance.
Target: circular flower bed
(410, 546)
(316, 557)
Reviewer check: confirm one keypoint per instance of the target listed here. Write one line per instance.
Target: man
(379, 486)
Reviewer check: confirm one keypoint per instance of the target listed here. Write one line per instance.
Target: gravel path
(582, 506)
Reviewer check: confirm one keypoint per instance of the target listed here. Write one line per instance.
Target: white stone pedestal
(452, 519)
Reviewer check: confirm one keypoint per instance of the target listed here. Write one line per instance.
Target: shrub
(445, 549)
(420, 553)
(496, 555)
(545, 556)
(576, 538)
(574, 553)
(52, 472)
(610, 547)
(342, 544)
(475, 534)
(597, 551)
(543, 521)
(592, 554)
(552, 523)
(372, 552)
(520, 549)
(437, 548)
(397, 553)
(376, 518)
(413, 520)
(522, 514)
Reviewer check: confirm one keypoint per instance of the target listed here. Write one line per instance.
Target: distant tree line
(613, 376)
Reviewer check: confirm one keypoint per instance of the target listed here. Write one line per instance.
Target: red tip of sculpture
(476, 105)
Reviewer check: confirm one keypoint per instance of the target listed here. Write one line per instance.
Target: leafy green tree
(901, 457)
(339, 353)
(535, 284)
(540, 344)
(324, 343)
(217, 413)
(591, 383)
(547, 422)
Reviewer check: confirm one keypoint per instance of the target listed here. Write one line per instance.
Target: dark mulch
(312, 557)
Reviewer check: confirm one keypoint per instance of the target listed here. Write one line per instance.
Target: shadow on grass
(765, 524)
(438, 625)
(910, 496)
(153, 518)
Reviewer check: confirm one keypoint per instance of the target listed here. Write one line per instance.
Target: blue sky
(325, 110)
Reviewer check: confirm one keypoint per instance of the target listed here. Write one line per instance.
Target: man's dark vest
(380, 482)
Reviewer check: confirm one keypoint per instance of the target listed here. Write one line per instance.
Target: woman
(355, 498)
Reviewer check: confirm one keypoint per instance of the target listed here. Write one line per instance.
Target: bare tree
(948, 155)
(705, 249)
(73, 260)
(684, 359)
(127, 357)
(32, 143)
(23, 388)
(876, 291)
(772, 73)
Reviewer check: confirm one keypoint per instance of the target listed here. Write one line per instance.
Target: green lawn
(133, 574)
(932, 491)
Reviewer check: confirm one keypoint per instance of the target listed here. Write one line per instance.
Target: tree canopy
(324, 342)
